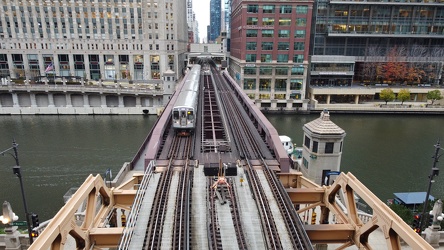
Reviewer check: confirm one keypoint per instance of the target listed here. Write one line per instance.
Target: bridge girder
(100, 202)
(351, 230)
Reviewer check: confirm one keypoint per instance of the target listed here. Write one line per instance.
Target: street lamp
(17, 172)
(434, 172)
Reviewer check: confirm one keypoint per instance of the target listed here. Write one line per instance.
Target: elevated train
(185, 108)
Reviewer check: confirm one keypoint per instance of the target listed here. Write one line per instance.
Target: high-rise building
(269, 51)
(193, 26)
(109, 40)
(215, 19)
(360, 42)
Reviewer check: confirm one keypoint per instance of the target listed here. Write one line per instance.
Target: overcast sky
(202, 10)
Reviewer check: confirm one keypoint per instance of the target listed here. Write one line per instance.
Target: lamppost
(17, 172)
(434, 172)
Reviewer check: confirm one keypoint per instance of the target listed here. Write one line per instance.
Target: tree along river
(388, 153)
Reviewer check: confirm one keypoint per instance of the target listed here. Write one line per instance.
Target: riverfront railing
(99, 88)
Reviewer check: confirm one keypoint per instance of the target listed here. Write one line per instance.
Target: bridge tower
(169, 85)
(322, 148)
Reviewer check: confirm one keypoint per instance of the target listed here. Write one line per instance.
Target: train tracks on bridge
(272, 204)
(169, 222)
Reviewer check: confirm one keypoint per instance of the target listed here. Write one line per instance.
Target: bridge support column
(328, 99)
(85, 101)
(121, 103)
(33, 100)
(356, 99)
(15, 100)
(50, 100)
(68, 101)
(138, 102)
(103, 101)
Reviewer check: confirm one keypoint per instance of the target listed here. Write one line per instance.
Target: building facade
(383, 43)
(125, 40)
(193, 25)
(269, 51)
(215, 19)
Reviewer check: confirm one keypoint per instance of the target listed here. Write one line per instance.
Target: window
(298, 58)
(284, 21)
(283, 33)
(280, 84)
(285, 9)
(268, 21)
(315, 147)
(251, 45)
(283, 45)
(267, 33)
(251, 33)
(267, 45)
(250, 57)
(265, 85)
(251, 20)
(307, 142)
(301, 21)
(249, 84)
(268, 9)
(250, 70)
(299, 46)
(252, 8)
(282, 58)
(265, 71)
(298, 71)
(305, 162)
(282, 71)
(302, 9)
(329, 147)
(295, 84)
(266, 58)
(299, 34)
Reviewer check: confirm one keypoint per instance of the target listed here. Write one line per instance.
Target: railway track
(226, 192)
(254, 154)
(178, 237)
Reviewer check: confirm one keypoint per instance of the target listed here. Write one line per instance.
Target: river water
(388, 153)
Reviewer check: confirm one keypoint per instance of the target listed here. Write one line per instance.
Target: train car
(185, 109)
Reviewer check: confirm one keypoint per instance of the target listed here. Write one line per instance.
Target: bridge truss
(349, 228)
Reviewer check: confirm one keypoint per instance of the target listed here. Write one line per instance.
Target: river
(388, 153)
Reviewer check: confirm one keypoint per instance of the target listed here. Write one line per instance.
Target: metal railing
(138, 200)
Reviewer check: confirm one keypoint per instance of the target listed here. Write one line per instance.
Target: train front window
(190, 115)
(175, 114)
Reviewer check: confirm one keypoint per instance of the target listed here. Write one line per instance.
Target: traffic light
(416, 222)
(430, 220)
(313, 218)
(35, 220)
(34, 233)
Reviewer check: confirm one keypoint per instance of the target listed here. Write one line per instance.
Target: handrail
(138, 200)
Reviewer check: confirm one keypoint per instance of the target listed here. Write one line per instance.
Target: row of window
(62, 66)
(82, 46)
(266, 84)
(267, 96)
(270, 33)
(282, 9)
(328, 149)
(300, 21)
(268, 70)
(280, 46)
